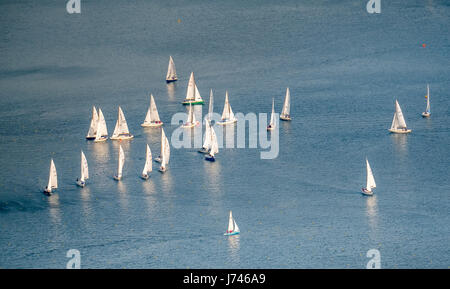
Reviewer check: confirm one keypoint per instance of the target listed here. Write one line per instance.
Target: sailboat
(191, 121)
(152, 117)
(271, 125)
(120, 164)
(93, 127)
(165, 148)
(227, 114)
(52, 180)
(81, 182)
(398, 122)
(233, 228)
(121, 131)
(214, 146)
(101, 131)
(148, 164)
(207, 138)
(192, 94)
(427, 111)
(370, 181)
(285, 113)
(171, 75)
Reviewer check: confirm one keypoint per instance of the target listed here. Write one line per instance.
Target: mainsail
(287, 104)
(121, 162)
(53, 177)
(370, 179)
(399, 121)
(207, 138)
(93, 126)
(211, 105)
(272, 115)
(84, 168)
(428, 100)
(148, 161)
(214, 145)
(227, 113)
(102, 131)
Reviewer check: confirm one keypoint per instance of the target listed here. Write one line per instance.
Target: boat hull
(152, 124)
(425, 114)
(158, 159)
(400, 131)
(162, 170)
(190, 125)
(81, 184)
(210, 158)
(225, 122)
(102, 139)
(366, 192)
(47, 192)
(193, 102)
(117, 178)
(269, 128)
(286, 118)
(121, 137)
(90, 137)
(231, 234)
(203, 151)
(145, 177)
(171, 80)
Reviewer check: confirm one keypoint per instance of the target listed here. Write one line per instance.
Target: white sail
(191, 115)
(167, 150)
(152, 112)
(211, 104)
(428, 100)
(400, 122)
(148, 161)
(52, 177)
(171, 71)
(121, 162)
(93, 126)
(236, 228)
(230, 223)
(287, 104)
(84, 168)
(227, 113)
(272, 115)
(214, 145)
(192, 92)
(121, 124)
(370, 179)
(102, 131)
(207, 138)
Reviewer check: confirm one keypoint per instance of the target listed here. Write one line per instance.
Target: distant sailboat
(148, 164)
(52, 179)
(93, 127)
(191, 121)
(286, 112)
(192, 94)
(171, 75)
(121, 131)
(427, 111)
(398, 122)
(214, 146)
(271, 125)
(120, 163)
(233, 228)
(152, 117)
(370, 181)
(165, 154)
(227, 114)
(207, 138)
(81, 182)
(101, 131)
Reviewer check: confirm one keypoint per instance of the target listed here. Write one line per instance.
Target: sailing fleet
(98, 132)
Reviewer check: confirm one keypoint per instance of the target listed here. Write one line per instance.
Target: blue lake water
(303, 209)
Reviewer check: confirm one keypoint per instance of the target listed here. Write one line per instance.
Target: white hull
(400, 131)
(158, 159)
(365, 192)
(285, 118)
(225, 122)
(162, 170)
(190, 125)
(81, 184)
(152, 124)
(145, 177)
(424, 114)
(102, 139)
(270, 128)
(122, 137)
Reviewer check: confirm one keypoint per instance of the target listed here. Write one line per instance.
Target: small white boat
(271, 125)
(81, 182)
(427, 111)
(192, 94)
(120, 163)
(207, 138)
(101, 131)
(227, 114)
(121, 131)
(233, 228)
(171, 75)
(286, 112)
(93, 126)
(152, 116)
(214, 146)
(370, 184)
(191, 121)
(52, 180)
(148, 164)
(398, 122)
